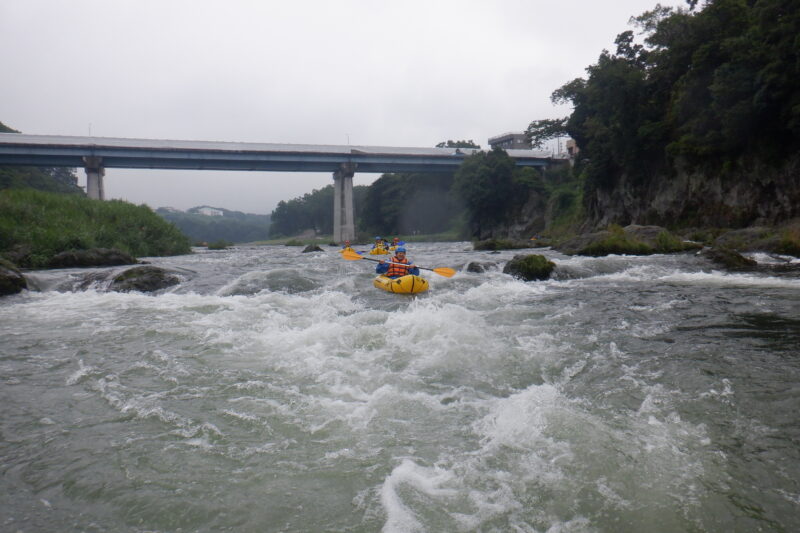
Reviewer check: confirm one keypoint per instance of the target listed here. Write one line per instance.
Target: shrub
(617, 244)
(667, 243)
(219, 245)
(790, 242)
(37, 225)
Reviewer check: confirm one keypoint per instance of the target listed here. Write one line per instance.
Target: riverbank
(37, 226)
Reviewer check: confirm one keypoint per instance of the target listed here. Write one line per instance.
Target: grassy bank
(37, 225)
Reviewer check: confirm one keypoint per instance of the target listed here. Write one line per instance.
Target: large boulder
(312, 248)
(91, 258)
(143, 279)
(529, 267)
(11, 280)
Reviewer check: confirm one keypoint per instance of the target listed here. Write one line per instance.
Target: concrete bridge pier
(344, 228)
(94, 177)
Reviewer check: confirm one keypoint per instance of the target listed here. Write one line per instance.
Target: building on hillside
(511, 141)
(209, 212)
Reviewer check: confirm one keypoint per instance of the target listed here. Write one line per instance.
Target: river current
(276, 391)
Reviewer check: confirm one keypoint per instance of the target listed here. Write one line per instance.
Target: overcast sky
(363, 72)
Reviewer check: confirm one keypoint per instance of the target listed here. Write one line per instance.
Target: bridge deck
(69, 151)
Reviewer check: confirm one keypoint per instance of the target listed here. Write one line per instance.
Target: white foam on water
(82, 372)
(723, 279)
(772, 259)
(467, 394)
(430, 481)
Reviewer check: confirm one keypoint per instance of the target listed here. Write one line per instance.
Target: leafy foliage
(485, 183)
(408, 203)
(44, 224)
(493, 190)
(312, 211)
(709, 86)
(541, 131)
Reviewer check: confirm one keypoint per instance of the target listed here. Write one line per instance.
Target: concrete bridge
(95, 154)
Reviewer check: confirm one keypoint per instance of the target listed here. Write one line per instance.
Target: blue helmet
(376, 238)
(400, 249)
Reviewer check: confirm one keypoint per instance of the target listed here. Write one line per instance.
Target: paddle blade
(351, 256)
(444, 271)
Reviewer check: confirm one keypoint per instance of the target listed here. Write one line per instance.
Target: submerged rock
(529, 267)
(143, 279)
(11, 280)
(312, 248)
(480, 267)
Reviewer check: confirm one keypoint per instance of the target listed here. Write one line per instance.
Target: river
(275, 391)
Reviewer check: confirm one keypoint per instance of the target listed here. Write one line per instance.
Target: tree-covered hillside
(312, 211)
(709, 92)
(230, 226)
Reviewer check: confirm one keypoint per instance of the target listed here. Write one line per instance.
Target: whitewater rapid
(278, 391)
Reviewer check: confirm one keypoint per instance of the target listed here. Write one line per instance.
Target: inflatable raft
(409, 284)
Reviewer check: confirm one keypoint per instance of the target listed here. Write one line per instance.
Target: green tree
(541, 131)
(485, 184)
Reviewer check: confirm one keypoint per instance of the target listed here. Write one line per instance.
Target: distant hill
(210, 224)
(61, 180)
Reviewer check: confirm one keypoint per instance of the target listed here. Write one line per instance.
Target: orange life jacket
(397, 270)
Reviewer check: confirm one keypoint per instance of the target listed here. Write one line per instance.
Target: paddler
(393, 270)
(379, 247)
(395, 244)
(347, 247)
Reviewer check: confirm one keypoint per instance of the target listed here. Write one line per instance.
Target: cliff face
(752, 194)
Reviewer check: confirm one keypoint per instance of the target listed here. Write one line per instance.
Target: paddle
(442, 271)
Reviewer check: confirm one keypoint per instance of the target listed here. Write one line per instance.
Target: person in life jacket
(395, 244)
(396, 270)
(346, 247)
(379, 244)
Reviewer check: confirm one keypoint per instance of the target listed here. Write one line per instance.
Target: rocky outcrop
(529, 267)
(779, 240)
(531, 219)
(630, 240)
(143, 279)
(312, 248)
(500, 244)
(11, 280)
(91, 258)
(750, 194)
